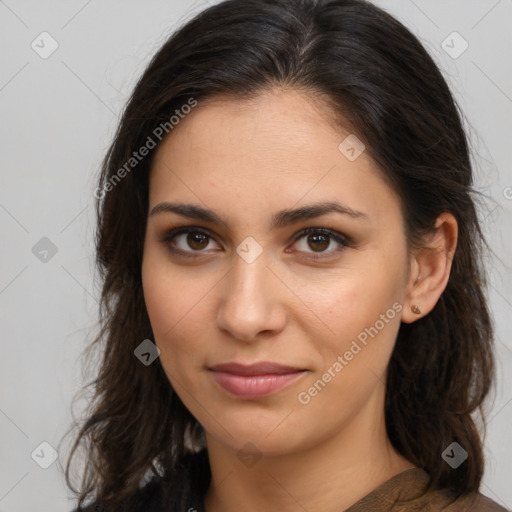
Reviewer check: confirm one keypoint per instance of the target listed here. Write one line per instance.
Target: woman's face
(247, 285)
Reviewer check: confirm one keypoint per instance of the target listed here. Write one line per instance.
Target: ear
(430, 267)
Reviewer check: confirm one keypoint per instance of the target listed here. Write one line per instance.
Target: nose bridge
(250, 299)
(248, 279)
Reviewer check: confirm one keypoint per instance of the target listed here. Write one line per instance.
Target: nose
(251, 304)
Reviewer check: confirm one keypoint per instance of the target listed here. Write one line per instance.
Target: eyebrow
(279, 219)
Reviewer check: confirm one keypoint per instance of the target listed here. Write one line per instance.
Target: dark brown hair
(384, 87)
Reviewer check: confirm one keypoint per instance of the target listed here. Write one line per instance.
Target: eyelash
(342, 240)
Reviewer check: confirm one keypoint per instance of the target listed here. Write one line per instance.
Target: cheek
(363, 334)
(349, 302)
(178, 311)
(353, 361)
(362, 311)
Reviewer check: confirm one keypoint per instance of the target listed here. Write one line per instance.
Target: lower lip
(255, 386)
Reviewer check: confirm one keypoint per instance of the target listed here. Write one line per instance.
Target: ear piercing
(415, 309)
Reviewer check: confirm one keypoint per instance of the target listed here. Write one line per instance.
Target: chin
(264, 434)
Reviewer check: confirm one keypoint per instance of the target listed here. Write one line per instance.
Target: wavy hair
(382, 85)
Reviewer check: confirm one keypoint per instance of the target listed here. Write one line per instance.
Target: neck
(330, 475)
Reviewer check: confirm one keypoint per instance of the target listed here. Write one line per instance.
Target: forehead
(276, 149)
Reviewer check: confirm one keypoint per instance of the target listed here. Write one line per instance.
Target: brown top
(402, 493)
(405, 493)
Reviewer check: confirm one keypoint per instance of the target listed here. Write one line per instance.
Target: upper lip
(262, 368)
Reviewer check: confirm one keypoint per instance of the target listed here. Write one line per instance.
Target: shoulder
(474, 502)
(408, 491)
(189, 484)
(481, 503)
(147, 499)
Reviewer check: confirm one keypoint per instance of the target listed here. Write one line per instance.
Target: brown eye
(318, 242)
(197, 240)
(189, 241)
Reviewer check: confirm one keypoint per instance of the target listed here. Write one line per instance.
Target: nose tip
(250, 305)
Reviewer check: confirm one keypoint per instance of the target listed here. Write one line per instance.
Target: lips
(263, 368)
(255, 380)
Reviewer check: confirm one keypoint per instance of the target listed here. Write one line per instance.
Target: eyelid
(174, 232)
(341, 239)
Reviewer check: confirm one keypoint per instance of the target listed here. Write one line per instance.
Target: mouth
(255, 380)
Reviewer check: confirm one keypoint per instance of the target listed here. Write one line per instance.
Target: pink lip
(255, 380)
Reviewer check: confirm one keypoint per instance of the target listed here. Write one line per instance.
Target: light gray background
(57, 118)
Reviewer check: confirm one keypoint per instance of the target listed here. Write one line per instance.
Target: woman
(293, 310)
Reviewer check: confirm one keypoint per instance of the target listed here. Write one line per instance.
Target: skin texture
(247, 161)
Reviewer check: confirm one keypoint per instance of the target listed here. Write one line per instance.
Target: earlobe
(430, 269)
(415, 309)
